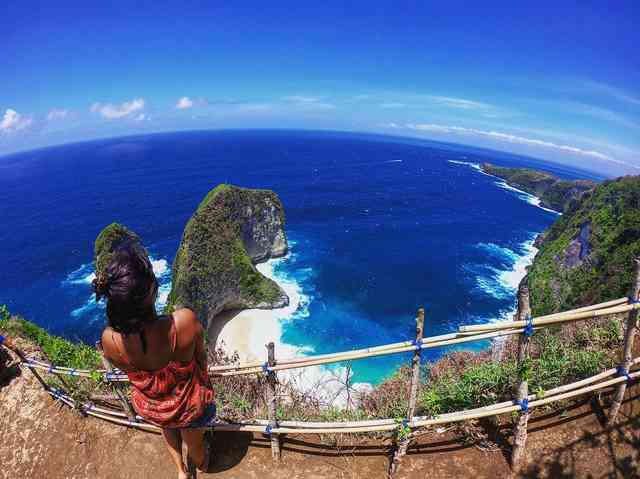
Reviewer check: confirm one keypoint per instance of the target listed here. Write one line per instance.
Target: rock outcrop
(586, 257)
(214, 270)
(110, 238)
(553, 192)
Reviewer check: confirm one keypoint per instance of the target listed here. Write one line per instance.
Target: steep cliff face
(554, 193)
(232, 230)
(587, 256)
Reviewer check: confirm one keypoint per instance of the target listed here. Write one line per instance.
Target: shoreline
(246, 332)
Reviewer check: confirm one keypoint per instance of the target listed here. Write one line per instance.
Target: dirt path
(40, 438)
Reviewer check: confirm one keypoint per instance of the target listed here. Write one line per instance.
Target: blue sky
(554, 80)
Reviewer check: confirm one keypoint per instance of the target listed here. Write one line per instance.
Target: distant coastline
(555, 194)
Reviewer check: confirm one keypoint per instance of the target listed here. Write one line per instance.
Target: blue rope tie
(268, 429)
(73, 373)
(108, 376)
(405, 423)
(56, 393)
(528, 329)
(51, 368)
(621, 371)
(524, 404)
(266, 369)
(2, 338)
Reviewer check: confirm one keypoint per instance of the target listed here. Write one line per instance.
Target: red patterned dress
(175, 396)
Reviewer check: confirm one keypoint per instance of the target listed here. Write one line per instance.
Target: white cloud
(126, 109)
(309, 102)
(254, 107)
(301, 99)
(508, 138)
(615, 92)
(58, 114)
(184, 103)
(140, 117)
(599, 113)
(459, 103)
(14, 121)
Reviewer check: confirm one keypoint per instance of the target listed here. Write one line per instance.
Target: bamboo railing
(523, 403)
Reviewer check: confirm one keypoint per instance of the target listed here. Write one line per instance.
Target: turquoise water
(379, 227)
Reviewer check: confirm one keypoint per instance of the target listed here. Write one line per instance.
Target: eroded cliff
(214, 270)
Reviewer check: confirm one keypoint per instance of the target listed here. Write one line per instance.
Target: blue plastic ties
(528, 329)
(524, 404)
(108, 376)
(266, 368)
(268, 429)
(2, 338)
(405, 423)
(73, 373)
(50, 368)
(621, 371)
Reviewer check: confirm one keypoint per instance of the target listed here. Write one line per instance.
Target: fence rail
(525, 325)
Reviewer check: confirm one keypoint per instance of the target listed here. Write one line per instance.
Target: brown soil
(41, 438)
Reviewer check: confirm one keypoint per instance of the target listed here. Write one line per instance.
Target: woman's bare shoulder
(187, 325)
(108, 346)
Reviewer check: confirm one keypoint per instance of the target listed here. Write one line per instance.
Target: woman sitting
(163, 356)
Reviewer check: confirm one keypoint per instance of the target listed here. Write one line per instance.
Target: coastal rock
(214, 270)
(554, 193)
(579, 249)
(587, 255)
(110, 238)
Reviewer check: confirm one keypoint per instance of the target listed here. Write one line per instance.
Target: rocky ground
(41, 438)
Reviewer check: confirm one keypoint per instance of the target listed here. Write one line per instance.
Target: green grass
(556, 361)
(59, 351)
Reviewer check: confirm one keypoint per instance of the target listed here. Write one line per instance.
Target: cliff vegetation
(586, 257)
(214, 269)
(553, 192)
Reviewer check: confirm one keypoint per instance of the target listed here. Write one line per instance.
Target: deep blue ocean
(379, 226)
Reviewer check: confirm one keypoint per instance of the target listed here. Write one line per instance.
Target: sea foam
(249, 331)
(83, 276)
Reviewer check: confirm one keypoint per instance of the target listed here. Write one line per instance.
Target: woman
(163, 356)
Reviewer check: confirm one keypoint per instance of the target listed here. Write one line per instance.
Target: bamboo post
(272, 401)
(405, 439)
(632, 324)
(520, 428)
(131, 415)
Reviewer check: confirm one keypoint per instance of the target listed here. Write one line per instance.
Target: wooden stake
(632, 324)
(520, 428)
(272, 401)
(128, 409)
(404, 442)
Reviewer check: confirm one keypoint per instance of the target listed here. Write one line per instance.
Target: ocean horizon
(378, 227)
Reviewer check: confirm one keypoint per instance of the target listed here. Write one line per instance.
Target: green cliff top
(554, 193)
(587, 256)
(213, 269)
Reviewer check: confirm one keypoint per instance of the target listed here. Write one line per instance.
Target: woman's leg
(174, 444)
(196, 448)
